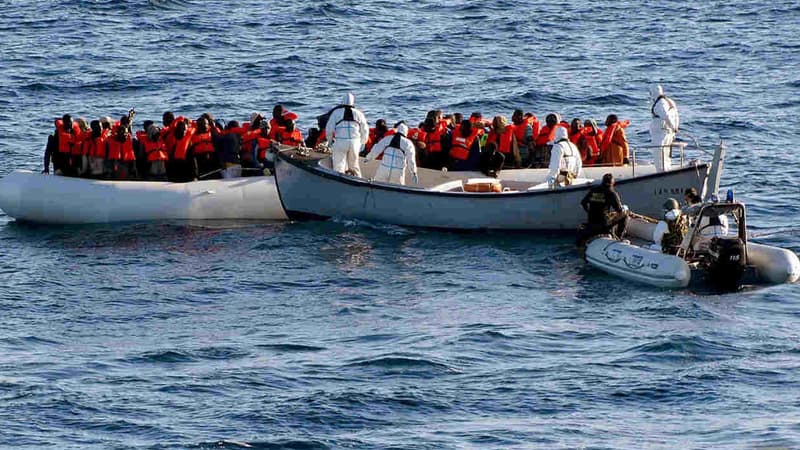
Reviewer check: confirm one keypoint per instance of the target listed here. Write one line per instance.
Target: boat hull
(638, 264)
(52, 199)
(308, 189)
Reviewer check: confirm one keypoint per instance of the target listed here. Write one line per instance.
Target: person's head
(232, 124)
(66, 122)
(466, 128)
(458, 117)
(499, 123)
(121, 134)
(517, 117)
(430, 120)
(402, 128)
(202, 125)
(209, 118)
(691, 196)
(438, 114)
(289, 119)
(551, 120)
(349, 99)
(560, 134)
(153, 132)
(590, 123)
(277, 113)
(167, 118)
(125, 121)
(106, 122)
(608, 179)
(146, 124)
(611, 120)
(180, 129)
(381, 127)
(671, 209)
(655, 91)
(575, 125)
(97, 128)
(256, 119)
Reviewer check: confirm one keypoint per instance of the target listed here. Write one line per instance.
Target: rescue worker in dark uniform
(606, 213)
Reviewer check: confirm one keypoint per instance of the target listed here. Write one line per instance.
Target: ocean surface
(340, 334)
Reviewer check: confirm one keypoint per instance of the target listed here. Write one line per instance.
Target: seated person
(669, 233)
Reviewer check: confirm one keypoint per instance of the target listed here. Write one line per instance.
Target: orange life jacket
(66, 139)
(201, 143)
(433, 139)
(505, 140)
(263, 146)
(293, 137)
(462, 145)
(608, 135)
(521, 129)
(592, 140)
(121, 150)
(154, 150)
(546, 134)
(181, 146)
(95, 147)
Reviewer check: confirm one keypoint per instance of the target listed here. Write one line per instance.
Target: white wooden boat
(54, 199)
(310, 189)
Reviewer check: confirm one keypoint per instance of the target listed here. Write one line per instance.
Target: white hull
(772, 265)
(53, 199)
(639, 264)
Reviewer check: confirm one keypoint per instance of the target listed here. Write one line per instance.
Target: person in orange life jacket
(276, 123)
(457, 118)
(202, 150)
(465, 150)
(95, 148)
(289, 135)
(59, 148)
(589, 142)
(121, 159)
(543, 141)
(614, 147)
(523, 131)
(504, 140)
(231, 153)
(181, 165)
(79, 161)
(153, 152)
(574, 130)
(435, 134)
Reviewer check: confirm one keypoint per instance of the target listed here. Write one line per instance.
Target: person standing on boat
(663, 127)
(606, 213)
(565, 160)
(614, 146)
(399, 154)
(348, 129)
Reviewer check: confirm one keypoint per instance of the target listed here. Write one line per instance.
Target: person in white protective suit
(565, 160)
(663, 126)
(349, 130)
(398, 155)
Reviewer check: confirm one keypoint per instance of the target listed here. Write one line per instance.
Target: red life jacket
(520, 130)
(576, 136)
(592, 140)
(504, 141)
(121, 150)
(201, 143)
(546, 134)
(154, 150)
(263, 146)
(461, 145)
(433, 139)
(180, 146)
(66, 139)
(293, 137)
(249, 137)
(95, 147)
(534, 122)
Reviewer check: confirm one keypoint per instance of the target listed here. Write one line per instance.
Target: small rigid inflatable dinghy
(723, 260)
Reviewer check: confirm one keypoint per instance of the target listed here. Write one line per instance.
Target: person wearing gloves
(565, 160)
(669, 232)
(348, 129)
(663, 126)
(398, 155)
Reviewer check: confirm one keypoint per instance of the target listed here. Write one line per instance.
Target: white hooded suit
(663, 126)
(395, 159)
(348, 136)
(564, 156)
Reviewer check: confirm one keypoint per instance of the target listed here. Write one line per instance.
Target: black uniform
(600, 202)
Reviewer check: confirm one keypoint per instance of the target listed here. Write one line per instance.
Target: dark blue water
(351, 335)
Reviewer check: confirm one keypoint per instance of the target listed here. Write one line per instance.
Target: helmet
(671, 204)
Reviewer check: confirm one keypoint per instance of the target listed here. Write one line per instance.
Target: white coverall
(348, 137)
(395, 160)
(563, 157)
(663, 127)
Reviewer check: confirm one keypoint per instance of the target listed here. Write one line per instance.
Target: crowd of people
(182, 149)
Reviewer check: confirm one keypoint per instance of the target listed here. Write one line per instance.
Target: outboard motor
(726, 263)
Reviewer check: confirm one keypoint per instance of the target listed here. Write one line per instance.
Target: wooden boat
(43, 198)
(310, 189)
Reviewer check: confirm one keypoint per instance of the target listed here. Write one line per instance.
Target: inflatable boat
(55, 199)
(723, 261)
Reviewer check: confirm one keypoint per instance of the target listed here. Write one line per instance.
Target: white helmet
(349, 99)
(402, 129)
(655, 91)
